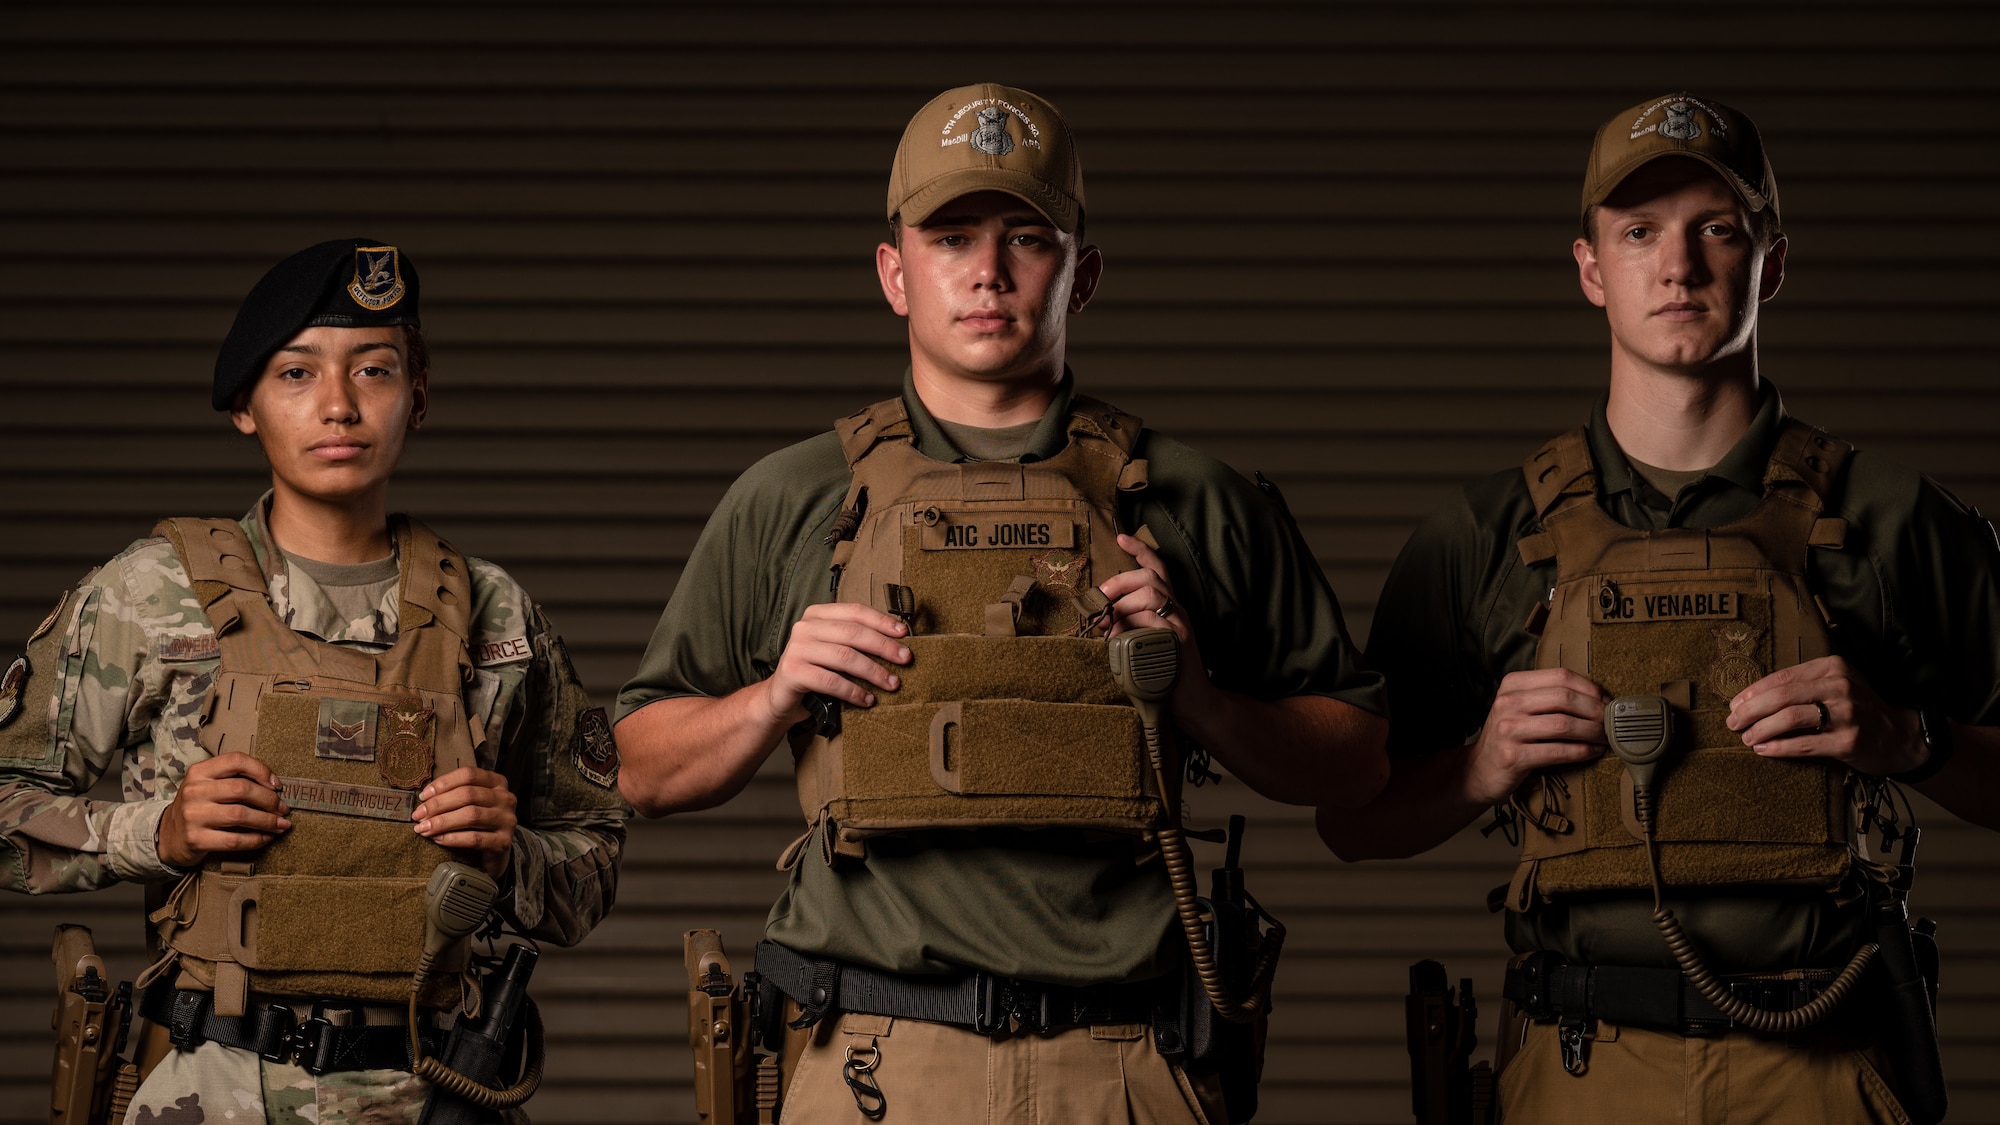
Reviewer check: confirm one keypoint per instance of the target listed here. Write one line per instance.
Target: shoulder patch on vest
(596, 749)
(49, 621)
(513, 650)
(11, 683)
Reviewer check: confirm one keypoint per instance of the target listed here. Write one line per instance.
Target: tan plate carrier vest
(1694, 615)
(1007, 714)
(334, 906)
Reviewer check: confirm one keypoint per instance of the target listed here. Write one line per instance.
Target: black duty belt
(1546, 986)
(274, 1033)
(984, 1002)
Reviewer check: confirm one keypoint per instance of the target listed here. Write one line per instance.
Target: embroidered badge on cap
(405, 743)
(378, 277)
(991, 137)
(596, 750)
(346, 730)
(11, 683)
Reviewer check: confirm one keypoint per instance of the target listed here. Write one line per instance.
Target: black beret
(347, 283)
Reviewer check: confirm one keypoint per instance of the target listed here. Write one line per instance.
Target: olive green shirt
(1915, 595)
(1049, 905)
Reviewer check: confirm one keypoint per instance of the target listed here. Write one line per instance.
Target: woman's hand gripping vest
(1007, 714)
(334, 906)
(1695, 616)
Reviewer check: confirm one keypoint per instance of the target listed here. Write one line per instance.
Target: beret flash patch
(11, 682)
(378, 277)
(596, 750)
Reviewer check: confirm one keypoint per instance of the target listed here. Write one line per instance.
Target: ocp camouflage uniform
(129, 680)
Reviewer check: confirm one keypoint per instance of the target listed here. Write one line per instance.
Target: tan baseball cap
(1682, 125)
(987, 137)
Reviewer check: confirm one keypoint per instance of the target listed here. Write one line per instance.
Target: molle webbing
(333, 906)
(1007, 715)
(1694, 615)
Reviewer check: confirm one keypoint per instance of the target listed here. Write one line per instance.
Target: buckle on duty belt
(998, 1001)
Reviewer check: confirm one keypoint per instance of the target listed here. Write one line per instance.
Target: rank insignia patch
(378, 277)
(405, 743)
(596, 750)
(11, 683)
(346, 730)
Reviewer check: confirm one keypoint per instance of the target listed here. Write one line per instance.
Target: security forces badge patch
(378, 277)
(992, 137)
(596, 750)
(406, 743)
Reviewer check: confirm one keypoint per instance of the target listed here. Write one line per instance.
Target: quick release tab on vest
(347, 800)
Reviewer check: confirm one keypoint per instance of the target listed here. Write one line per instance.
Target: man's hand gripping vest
(1007, 715)
(334, 906)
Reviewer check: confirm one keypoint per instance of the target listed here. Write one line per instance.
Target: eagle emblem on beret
(378, 277)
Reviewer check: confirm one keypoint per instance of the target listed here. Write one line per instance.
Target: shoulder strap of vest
(1562, 468)
(1098, 419)
(437, 585)
(217, 554)
(860, 431)
(1807, 453)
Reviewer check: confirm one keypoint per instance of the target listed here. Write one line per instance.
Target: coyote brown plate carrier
(1694, 615)
(1007, 715)
(334, 906)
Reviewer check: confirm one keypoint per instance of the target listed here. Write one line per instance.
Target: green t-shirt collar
(1743, 466)
(1048, 440)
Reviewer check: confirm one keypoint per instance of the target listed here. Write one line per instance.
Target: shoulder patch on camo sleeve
(596, 749)
(11, 682)
(510, 651)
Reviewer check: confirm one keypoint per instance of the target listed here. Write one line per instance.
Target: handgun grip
(73, 952)
(702, 949)
(83, 1053)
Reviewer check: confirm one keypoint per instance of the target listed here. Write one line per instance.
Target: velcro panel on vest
(951, 667)
(954, 587)
(1013, 762)
(307, 923)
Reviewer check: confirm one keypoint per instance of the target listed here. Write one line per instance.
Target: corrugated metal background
(1337, 238)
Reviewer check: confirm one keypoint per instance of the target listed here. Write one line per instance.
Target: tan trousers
(1639, 1076)
(936, 1074)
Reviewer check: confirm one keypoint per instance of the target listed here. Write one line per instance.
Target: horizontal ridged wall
(1337, 239)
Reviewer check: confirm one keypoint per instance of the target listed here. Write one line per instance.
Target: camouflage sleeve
(87, 691)
(556, 751)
